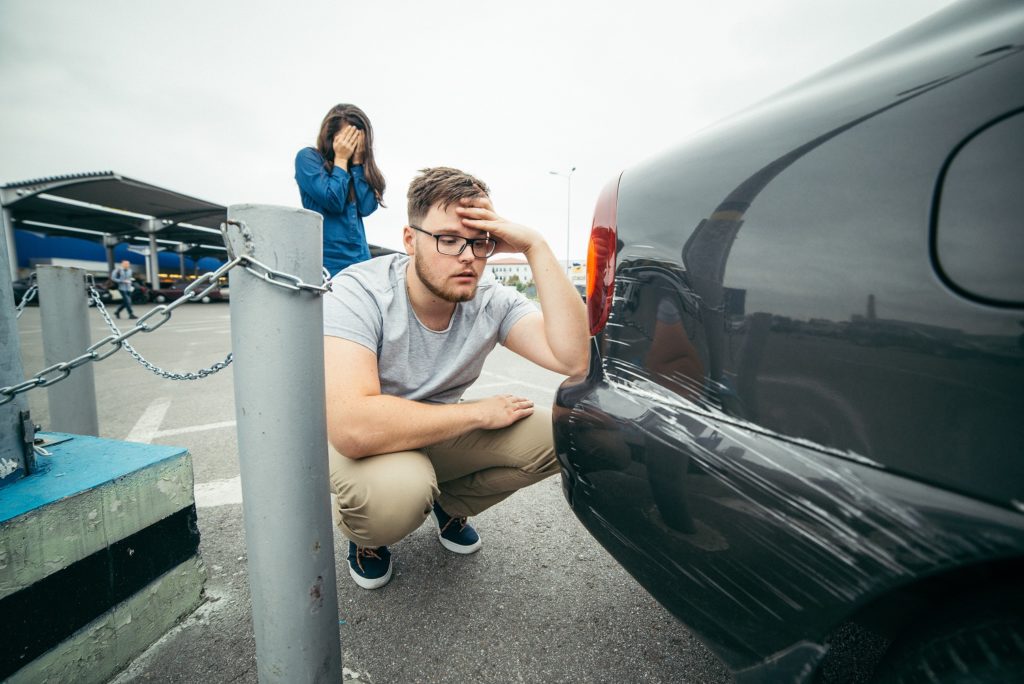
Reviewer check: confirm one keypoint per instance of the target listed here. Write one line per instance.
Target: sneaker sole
(452, 546)
(367, 583)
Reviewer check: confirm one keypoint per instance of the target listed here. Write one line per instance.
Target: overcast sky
(213, 99)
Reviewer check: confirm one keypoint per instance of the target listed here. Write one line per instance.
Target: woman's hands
(348, 143)
(360, 153)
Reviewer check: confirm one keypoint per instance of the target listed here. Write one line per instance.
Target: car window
(979, 222)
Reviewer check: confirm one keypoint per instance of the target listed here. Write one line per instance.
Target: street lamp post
(568, 213)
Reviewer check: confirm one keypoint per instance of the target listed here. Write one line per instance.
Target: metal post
(277, 339)
(13, 413)
(109, 243)
(64, 313)
(568, 216)
(12, 251)
(568, 222)
(153, 263)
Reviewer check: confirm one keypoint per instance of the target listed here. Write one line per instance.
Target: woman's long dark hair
(335, 119)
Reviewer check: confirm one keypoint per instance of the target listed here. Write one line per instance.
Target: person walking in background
(339, 179)
(123, 277)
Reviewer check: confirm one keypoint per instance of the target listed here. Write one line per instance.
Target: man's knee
(380, 503)
(535, 443)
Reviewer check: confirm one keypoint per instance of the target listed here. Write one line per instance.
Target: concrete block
(100, 524)
(109, 643)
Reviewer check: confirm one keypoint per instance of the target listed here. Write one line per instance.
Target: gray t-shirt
(370, 306)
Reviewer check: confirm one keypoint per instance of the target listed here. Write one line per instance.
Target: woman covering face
(339, 179)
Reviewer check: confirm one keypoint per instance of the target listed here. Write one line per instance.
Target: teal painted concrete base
(109, 643)
(101, 526)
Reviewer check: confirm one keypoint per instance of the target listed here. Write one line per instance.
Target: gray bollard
(277, 339)
(64, 312)
(16, 457)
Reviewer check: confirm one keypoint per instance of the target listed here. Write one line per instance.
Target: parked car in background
(176, 289)
(109, 293)
(802, 429)
(21, 287)
(140, 295)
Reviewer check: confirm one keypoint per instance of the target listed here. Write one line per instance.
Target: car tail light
(601, 258)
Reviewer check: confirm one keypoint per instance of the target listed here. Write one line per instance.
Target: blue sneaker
(456, 534)
(369, 567)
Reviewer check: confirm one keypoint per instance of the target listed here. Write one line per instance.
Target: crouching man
(405, 336)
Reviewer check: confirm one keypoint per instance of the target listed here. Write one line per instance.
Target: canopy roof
(89, 205)
(92, 205)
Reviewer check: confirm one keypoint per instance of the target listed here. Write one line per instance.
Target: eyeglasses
(454, 245)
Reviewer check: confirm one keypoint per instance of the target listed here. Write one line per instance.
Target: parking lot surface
(541, 602)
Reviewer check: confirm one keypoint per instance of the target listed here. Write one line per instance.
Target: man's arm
(363, 422)
(557, 338)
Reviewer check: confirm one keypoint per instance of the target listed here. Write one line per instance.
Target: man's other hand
(503, 410)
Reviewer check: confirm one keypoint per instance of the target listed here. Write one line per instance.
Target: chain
(261, 270)
(30, 293)
(111, 344)
(170, 375)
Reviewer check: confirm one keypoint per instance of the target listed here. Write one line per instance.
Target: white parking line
(147, 426)
(219, 492)
(194, 428)
(506, 380)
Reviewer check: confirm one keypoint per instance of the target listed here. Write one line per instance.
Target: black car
(803, 425)
(107, 295)
(176, 290)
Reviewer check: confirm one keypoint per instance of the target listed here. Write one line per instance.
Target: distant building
(506, 267)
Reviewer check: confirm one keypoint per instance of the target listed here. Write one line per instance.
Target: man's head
(441, 186)
(125, 264)
(434, 196)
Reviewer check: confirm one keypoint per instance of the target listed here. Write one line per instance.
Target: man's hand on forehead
(478, 213)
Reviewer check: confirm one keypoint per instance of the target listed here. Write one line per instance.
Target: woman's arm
(366, 198)
(329, 190)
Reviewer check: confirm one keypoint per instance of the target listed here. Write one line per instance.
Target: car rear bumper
(760, 544)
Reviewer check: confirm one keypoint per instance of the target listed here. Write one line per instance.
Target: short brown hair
(442, 186)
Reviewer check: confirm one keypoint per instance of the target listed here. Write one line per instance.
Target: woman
(340, 180)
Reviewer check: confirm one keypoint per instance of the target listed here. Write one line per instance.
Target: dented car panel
(800, 408)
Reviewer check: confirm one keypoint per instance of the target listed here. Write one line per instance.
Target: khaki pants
(383, 498)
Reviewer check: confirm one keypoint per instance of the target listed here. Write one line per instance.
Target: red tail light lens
(601, 258)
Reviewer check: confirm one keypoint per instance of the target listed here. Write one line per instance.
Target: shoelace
(462, 523)
(368, 552)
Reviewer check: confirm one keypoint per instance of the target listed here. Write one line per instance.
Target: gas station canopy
(110, 208)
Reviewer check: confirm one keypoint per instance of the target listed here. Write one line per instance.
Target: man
(122, 275)
(405, 336)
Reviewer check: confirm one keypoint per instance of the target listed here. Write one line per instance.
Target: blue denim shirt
(327, 194)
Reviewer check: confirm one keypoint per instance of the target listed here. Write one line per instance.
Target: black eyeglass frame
(472, 242)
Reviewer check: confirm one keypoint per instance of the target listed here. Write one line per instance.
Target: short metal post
(109, 243)
(13, 452)
(12, 250)
(153, 263)
(64, 313)
(277, 339)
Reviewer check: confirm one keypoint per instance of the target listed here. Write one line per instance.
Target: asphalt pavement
(541, 602)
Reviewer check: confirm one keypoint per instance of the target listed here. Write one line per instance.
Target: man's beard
(438, 292)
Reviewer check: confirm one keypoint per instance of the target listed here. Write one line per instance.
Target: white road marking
(219, 492)
(194, 428)
(507, 380)
(147, 426)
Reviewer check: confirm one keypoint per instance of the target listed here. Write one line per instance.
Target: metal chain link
(30, 293)
(115, 342)
(170, 375)
(261, 270)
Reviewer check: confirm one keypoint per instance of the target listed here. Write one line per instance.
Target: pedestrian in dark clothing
(123, 277)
